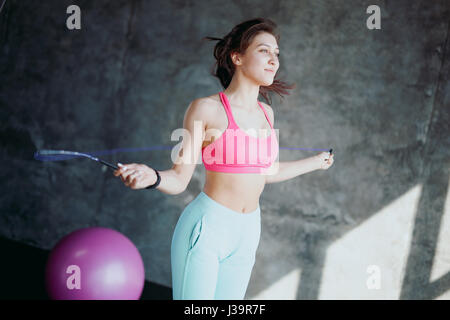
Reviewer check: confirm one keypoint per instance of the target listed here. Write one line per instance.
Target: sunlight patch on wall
(284, 289)
(369, 261)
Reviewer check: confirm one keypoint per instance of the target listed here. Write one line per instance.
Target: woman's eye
(265, 50)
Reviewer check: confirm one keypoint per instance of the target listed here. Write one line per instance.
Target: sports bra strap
(227, 108)
(265, 112)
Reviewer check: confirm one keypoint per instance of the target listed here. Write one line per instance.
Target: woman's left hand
(325, 160)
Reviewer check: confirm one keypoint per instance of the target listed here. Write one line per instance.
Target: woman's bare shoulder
(207, 105)
(204, 108)
(269, 111)
(212, 99)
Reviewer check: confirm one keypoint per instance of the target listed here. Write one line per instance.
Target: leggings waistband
(223, 209)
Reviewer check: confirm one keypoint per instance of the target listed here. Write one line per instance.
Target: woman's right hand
(136, 176)
(325, 160)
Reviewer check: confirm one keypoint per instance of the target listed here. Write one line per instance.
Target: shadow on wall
(399, 252)
(406, 238)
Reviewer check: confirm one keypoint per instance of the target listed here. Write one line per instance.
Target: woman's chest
(252, 123)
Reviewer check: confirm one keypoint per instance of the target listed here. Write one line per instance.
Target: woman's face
(260, 57)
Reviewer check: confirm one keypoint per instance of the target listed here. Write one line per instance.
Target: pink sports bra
(235, 151)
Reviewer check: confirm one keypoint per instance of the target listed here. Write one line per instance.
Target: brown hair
(238, 40)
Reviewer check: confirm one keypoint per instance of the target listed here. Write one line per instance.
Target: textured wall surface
(375, 225)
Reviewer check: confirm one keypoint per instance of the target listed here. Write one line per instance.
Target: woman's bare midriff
(237, 191)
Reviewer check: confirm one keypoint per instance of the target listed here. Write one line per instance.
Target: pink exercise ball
(94, 264)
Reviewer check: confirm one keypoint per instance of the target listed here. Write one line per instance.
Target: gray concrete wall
(373, 226)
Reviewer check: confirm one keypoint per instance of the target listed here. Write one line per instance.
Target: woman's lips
(269, 70)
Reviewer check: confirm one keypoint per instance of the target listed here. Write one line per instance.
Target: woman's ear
(236, 58)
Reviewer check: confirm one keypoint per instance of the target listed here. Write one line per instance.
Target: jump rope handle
(331, 151)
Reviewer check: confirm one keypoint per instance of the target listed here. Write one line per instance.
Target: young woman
(216, 237)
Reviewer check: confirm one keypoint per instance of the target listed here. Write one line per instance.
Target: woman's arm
(171, 183)
(176, 179)
(282, 171)
(138, 176)
(291, 169)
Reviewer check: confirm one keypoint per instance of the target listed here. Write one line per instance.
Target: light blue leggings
(213, 251)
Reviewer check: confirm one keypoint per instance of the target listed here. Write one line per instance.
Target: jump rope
(58, 155)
